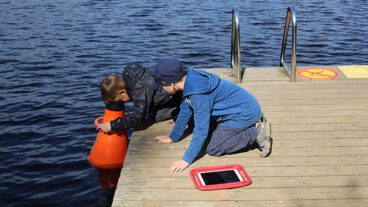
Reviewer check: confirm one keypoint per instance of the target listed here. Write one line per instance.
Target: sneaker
(264, 139)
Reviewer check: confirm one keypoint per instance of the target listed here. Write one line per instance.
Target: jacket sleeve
(202, 116)
(136, 118)
(184, 116)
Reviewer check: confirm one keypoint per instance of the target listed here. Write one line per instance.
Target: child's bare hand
(105, 127)
(163, 139)
(178, 166)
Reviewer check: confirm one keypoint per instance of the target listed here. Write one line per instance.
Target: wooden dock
(319, 156)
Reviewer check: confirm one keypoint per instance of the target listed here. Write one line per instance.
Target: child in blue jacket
(237, 113)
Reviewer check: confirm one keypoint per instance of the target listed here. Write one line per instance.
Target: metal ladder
(290, 14)
(235, 44)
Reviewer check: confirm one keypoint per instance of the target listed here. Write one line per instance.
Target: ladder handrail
(290, 13)
(235, 45)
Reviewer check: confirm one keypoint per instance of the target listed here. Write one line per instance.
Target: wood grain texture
(319, 155)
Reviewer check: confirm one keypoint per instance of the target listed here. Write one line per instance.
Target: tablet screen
(220, 177)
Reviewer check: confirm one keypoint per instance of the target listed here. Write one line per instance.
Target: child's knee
(213, 152)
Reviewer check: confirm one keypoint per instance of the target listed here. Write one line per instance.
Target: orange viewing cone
(109, 150)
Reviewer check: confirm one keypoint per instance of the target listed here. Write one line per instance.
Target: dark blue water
(55, 53)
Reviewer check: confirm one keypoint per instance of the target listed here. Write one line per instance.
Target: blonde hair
(110, 88)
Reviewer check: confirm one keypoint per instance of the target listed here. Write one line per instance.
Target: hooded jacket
(138, 81)
(205, 95)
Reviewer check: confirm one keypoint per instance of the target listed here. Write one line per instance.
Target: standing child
(150, 105)
(239, 121)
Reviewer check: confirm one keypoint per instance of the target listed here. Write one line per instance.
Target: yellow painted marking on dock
(354, 71)
(318, 73)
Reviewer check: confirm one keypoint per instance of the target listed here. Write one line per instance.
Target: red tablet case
(201, 186)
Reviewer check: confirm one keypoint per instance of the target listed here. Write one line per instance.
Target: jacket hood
(200, 82)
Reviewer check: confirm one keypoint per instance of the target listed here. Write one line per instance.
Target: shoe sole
(267, 151)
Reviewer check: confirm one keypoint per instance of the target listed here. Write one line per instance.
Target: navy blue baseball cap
(167, 71)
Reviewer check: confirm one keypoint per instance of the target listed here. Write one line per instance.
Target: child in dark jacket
(150, 105)
(237, 113)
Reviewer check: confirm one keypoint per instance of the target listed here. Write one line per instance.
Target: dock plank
(266, 203)
(319, 155)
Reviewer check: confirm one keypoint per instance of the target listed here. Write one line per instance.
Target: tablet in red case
(220, 177)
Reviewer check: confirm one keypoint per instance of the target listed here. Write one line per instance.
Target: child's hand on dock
(178, 166)
(163, 139)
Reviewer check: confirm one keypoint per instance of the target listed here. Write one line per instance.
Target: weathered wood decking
(319, 156)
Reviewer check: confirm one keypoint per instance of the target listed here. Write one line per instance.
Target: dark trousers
(170, 110)
(227, 140)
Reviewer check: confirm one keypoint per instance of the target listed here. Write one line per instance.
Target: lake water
(55, 53)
